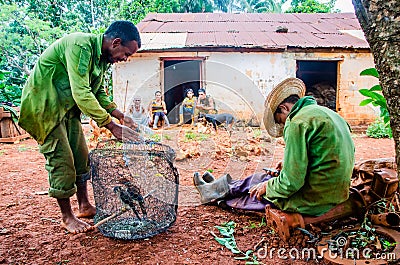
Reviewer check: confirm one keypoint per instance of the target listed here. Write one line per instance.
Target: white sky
(345, 6)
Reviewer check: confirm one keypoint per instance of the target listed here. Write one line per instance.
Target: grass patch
(192, 136)
(378, 129)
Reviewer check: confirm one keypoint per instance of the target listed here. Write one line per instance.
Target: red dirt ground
(30, 231)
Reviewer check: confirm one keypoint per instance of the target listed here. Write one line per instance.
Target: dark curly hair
(125, 30)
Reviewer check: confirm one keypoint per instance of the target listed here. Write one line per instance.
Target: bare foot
(75, 226)
(87, 211)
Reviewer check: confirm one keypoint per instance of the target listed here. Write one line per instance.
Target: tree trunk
(380, 21)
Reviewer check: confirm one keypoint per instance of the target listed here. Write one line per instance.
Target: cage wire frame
(135, 187)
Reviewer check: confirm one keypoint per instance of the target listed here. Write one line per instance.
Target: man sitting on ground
(137, 112)
(205, 103)
(317, 164)
(187, 107)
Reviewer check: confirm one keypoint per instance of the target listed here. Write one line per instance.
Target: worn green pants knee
(66, 156)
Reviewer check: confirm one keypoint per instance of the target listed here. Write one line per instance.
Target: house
(239, 58)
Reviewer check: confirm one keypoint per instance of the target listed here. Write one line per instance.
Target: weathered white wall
(239, 82)
(350, 82)
(139, 76)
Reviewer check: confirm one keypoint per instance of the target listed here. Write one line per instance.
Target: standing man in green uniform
(67, 80)
(317, 164)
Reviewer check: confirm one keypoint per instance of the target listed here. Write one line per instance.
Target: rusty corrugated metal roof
(252, 30)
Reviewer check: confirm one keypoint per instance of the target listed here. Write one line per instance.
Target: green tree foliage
(197, 6)
(311, 6)
(222, 5)
(136, 10)
(23, 38)
(28, 27)
(381, 128)
(378, 129)
(259, 6)
(9, 93)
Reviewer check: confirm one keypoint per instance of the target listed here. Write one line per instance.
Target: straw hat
(288, 87)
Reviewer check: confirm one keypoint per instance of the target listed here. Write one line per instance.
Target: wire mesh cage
(135, 188)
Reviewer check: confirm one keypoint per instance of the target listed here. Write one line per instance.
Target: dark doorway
(179, 75)
(320, 78)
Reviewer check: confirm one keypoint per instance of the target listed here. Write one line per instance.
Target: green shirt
(68, 73)
(318, 161)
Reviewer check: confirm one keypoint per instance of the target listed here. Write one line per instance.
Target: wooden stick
(148, 194)
(258, 245)
(396, 196)
(105, 220)
(126, 94)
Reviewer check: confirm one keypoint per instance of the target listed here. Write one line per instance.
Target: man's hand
(258, 190)
(271, 172)
(279, 165)
(123, 119)
(128, 121)
(122, 132)
(118, 114)
(274, 172)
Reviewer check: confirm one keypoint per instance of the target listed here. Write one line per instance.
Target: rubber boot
(214, 190)
(208, 177)
(166, 121)
(155, 122)
(180, 120)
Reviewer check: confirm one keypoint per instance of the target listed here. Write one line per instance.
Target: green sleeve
(78, 59)
(295, 163)
(105, 101)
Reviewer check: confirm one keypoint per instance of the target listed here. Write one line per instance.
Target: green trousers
(66, 156)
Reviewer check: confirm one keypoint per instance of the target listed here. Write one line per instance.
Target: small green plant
(202, 137)
(167, 137)
(253, 225)
(210, 170)
(22, 148)
(228, 240)
(375, 97)
(257, 133)
(156, 138)
(9, 93)
(227, 230)
(388, 245)
(191, 136)
(367, 235)
(378, 129)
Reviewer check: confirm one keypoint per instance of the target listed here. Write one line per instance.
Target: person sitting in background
(317, 164)
(205, 103)
(188, 106)
(137, 112)
(158, 108)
